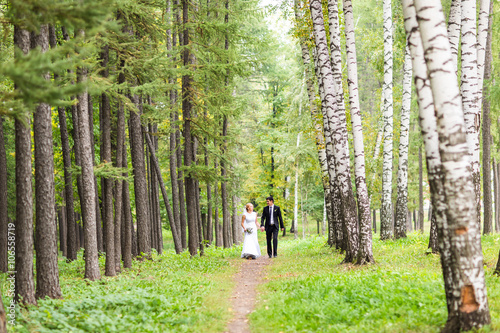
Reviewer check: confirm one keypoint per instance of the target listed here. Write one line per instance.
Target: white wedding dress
(251, 243)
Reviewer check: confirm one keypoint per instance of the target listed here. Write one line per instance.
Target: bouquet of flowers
(249, 230)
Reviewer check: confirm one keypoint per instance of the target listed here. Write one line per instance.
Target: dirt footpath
(243, 300)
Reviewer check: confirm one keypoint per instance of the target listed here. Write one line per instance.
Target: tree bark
(487, 58)
(173, 226)
(386, 207)
(336, 123)
(404, 139)
(140, 182)
(88, 183)
(454, 24)
(4, 221)
(128, 225)
(25, 285)
(470, 93)
(47, 277)
(61, 218)
(365, 235)
(428, 127)
(107, 189)
(469, 282)
(119, 163)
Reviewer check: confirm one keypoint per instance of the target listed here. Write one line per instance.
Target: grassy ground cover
(170, 293)
(308, 290)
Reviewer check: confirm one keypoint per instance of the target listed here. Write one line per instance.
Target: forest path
(244, 295)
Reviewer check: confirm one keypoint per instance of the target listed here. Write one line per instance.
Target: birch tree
(402, 198)
(428, 126)
(365, 254)
(454, 24)
(467, 259)
(386, 202)
(332, 116)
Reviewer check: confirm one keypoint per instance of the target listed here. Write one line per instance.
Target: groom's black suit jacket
(265, 220)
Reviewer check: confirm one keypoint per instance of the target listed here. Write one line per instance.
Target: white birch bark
(365, 254)
(386, 206)
(332, 117)
(466, 251)
(469, 90)
(404, 139)
(316, 117)
(428, 127)
(454, 24)
(482, 36)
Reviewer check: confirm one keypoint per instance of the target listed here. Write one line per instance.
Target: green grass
(308, 290)
(169, 293)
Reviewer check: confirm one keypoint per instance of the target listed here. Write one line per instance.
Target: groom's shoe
(275, 255)
(270, 257)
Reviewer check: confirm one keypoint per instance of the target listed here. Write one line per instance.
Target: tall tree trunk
(173, 226)
(219, 238)
(404, 139)
(25, 285)
(365, 235)
(88, 183)
(226, 220)
(62, 230)
(487, 203)
(68, 187)
(469, 93)
(320, 140)
(428, 128)
(188, 138)
(107, 189)
(467, 264)
(454, 24)
(336, 119)
(386, 210)
(140, 182)
(4, 221)
(483, 29)
(420, 191)
(120, 163)
(47, 277)
(128, 225)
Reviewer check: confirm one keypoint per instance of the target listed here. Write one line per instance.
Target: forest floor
(249, 276)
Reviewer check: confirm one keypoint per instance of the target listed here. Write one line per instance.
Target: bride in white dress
(251, 248)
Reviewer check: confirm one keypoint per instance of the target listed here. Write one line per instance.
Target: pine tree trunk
(188, 138)
(47, 277)
(88, 183)
(404, 139)
(173, 226)
(4, 222)
(487, 59)
(428, 127)
(336, 123)
(236, 221)
(467, 259)
(140, 181)
(470, 93)
(107, 189)
(209, 225)
(62, 229)
(219, 238)
(119, 163)
(365, 235)
(385, 210)
(25, 285)
(128, 225)
(226, 221)
(68, 187)
(454, 24)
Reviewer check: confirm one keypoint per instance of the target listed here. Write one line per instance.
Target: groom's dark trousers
(272, 233)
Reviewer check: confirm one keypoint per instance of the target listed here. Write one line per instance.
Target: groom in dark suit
(271, 216)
